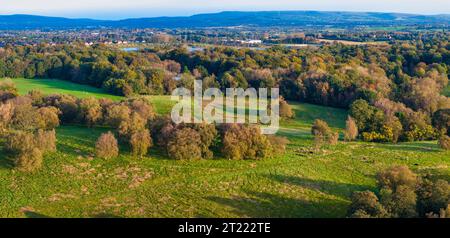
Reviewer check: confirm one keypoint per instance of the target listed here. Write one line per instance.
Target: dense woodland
(394, 92)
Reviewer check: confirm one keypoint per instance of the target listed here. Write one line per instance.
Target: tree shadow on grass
(342, 190)
(435, 174)
(79, 141)
(412, 147)
(31, 214)
(261, 204)
(72, 150)
(5, 161)
(266, 205)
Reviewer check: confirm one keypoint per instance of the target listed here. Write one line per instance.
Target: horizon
(104, 10)
(215, 12)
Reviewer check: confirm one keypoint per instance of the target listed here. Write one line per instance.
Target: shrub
(245, 142)
(19, 142)
(116, 114)
(333, 138)
(323, 133)
(286, 110)
(368, 118)
(278, 144)
(402, 196)
(208, 135)
(6, 113)
(37, 97)
(106, 146)
(8, 90)
(21, 100)
(399, 202)
(374, 137)
(418, 133)
(26, 117)
(441, 120)
(320, 127)
(351, 129)
(131, 126)
(161, 130)
(396, 176)
(66, 104)
(140, 142)
(397, 191)
(184, 144)
(166, 134)
(90, 111)
(143, 108)
(366, 205)
(49, 117)
(392, 129)
(444, 142)
(29, 160)
(432, 196)
(45, 141)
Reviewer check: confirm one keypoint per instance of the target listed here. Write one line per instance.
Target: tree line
(401, 193)
(27, 130)
(394, 92)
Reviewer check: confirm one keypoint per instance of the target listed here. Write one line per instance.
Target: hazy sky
(108, 9)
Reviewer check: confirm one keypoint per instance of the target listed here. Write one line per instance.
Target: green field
(302, 183)
(53, 86)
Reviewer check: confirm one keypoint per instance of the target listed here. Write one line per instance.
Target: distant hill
(228, 19)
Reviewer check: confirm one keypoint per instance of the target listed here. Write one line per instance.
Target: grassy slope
(52, 86)
(299, 184)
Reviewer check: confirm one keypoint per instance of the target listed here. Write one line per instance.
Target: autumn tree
(244, 142)
(286, 110)
(432, 197)
(107, 146)
(444, 142)
(6, 114)
(322, 133)
(8, 90)
(29, 161)
(366, 205)
(131, 126)
(140, 142)
(185, 144)
(351, 129)
(45, 140)
(21, 146)
(117, 114)
(49, 117)
(90, 111)
(397, 191)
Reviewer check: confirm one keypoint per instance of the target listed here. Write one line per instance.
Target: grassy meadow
(302, 183)
(53, 86)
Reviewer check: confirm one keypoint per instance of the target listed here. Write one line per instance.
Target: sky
(120, 9)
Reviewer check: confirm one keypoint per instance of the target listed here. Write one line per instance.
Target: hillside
(54, 86)
(227, 19)
(300, 184)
